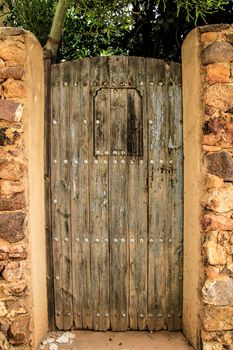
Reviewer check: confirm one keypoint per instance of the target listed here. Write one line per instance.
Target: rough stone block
(4, 345)
(212, 346)
(4, 325)
(17, 251)
(212, 36)
(10, 110)
(16, 307)
(220, 164)
(12, 50)
(11, 290)
(213, 222)
(14, 89)
(14, 251)
(219, 292)
(208, 148)
(11, 170)
(12, 226)
(15, 72)
(19, 330)
(213, 181)
(14, 202)
(213, 272)
(219, 200)
(3, 309)
(217, 52)
(213, 27)
(219, 96)
(9, 137)
(215, 253)
(217, 318)
(225, 338)
(7, 188)
(11, 31)
(217, 72)
(13, 271)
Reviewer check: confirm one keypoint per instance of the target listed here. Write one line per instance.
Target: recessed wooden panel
(118, 122)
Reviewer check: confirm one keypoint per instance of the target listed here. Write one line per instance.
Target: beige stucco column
(208, 189)
(23, 299)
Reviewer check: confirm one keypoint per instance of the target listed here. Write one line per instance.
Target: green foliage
(151, 28)
(33, 15)
(196, 9)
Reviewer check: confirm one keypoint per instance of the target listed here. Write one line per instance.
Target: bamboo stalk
(57, 26)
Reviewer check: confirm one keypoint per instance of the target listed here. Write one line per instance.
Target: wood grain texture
(61, 198)
(118, 208)
(99, 197)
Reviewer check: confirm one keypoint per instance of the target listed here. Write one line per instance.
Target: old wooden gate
(116, 194)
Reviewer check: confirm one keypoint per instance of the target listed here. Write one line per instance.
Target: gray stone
(219, 292)
(217, 52)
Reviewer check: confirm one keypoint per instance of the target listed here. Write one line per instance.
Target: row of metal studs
(97, 122)
(95, 83)
(105, 161)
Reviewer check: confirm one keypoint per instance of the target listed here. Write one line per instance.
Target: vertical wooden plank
(157, 194)
(47, 157)
(55, 113)
(175, 188)
(78, 219)
(101, 122)
(61, 198)
(99, 195)
(137, 198)
(118, 139)
(118, 184)
(81, 124)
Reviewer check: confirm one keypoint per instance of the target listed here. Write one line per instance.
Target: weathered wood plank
(175, 188)
(157, 203)
(101, 122)
(61, 198)
(118, 205)
(137, 202)
(99, 195)
(82, 150)
(78, 219)
(55, 113)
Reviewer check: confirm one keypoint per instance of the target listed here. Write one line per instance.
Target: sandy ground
(88, 340)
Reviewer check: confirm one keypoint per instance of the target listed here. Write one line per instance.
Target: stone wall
(21, 118)
(212, 67)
